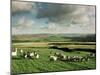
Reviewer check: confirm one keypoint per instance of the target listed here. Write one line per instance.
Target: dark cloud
(62, 13)
(53, 9)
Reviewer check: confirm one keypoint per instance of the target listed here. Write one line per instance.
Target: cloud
(22, 25)
(60, 13)
(69, 15)
(53, 18)
(53, 9)
(22, 7)
(25, 25)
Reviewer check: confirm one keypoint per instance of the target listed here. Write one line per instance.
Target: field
(43, 64)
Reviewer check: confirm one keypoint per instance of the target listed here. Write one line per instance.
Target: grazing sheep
(35, 53)
(91, 55)
(27, 55)
(24, 55)
(15, 52)
(67, 59)
(75, 58)
(72, 58)
(78, 58)
(56, 54)
(62, 57)
(37, 56)
(21, 51)
(31, 54)
(85, 59)
(53, 58)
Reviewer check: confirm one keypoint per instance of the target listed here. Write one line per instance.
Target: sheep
(27, 55)
(67, 59)
(21, 51)
(80, 58)
(31, 54)
(53, 58)
(91, 55)
(62, 56)
(15, 52)
(70, 59)
(73, 58)
(35, 53)
(56, 54)
(77, 58)
(85, 59)
(37, 56)
(24, 55)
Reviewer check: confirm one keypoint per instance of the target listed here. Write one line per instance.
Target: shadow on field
(71, 50)
(86, 50)
(63, 49)
(17, 58)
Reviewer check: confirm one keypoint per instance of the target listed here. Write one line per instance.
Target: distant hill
(54, 37)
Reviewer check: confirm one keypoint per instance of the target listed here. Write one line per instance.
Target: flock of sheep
(25, 54)
(55, 56)
(62, 57)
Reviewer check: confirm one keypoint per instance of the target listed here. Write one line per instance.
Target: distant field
(88, 45)
(54, 38)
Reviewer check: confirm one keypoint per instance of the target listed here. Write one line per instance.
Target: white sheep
(37, 56)
(35, 53)
(15, 52)
(53, 58)
(56, 54)
(25, 56)
(31, 54)
(63, 56)
(21, 51)
(60, 56)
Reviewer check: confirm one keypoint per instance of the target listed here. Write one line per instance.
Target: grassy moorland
(45, 45)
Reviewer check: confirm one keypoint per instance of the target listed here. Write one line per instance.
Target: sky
(52, 18)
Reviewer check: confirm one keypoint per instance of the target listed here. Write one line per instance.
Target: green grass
(20, 65)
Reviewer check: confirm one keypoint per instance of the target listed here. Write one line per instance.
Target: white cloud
(25, 23)
(18, 6)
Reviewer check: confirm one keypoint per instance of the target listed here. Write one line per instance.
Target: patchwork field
(43, 64)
